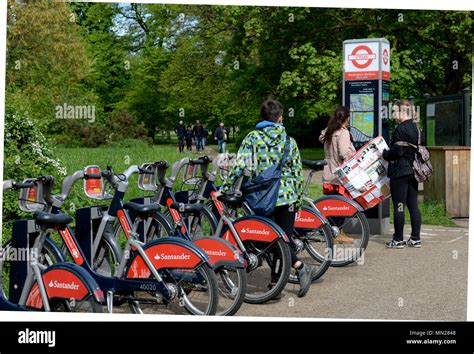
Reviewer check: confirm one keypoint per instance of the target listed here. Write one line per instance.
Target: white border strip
(400, 4)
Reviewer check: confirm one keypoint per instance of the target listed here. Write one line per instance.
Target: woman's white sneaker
(415, 244)
(395, 244)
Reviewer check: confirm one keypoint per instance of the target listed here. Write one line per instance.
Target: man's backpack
(421, 165)
(261, 192)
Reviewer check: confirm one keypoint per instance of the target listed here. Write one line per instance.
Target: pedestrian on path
(180, 131)
(221, 135)
(403, 184)
(189, 138)
(198, 133)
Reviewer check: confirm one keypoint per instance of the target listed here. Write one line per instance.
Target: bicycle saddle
(187, 208)
(316, 165)
(142, 210)
(49, 220)
(231, 199)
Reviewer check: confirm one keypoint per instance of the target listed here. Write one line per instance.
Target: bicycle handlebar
(144, 171)
(92, 176)
(7, 185)
(133, 169)
(178, 165)
(22, 185)
(45, 179)
(204, 160)
(10, 184)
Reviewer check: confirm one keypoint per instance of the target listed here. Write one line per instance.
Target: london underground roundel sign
(385, 56)
(362, 56)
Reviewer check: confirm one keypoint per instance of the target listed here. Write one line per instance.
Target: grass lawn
(314, 153)
(432, 213)
(120, 158)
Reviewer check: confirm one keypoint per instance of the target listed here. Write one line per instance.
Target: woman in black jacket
(403, 185)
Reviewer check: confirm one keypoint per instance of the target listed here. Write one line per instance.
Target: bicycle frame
(65, 280)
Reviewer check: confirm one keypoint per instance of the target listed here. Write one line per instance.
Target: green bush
(27, 153)
(117, 127)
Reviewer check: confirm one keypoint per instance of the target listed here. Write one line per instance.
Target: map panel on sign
(362, 102)
(363, 121)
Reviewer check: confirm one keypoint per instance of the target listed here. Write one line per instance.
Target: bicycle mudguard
(167, 252)
(308, 218)
(337, 205)
(255, 228)
(65, 281)
(6, 305)
(221, 253)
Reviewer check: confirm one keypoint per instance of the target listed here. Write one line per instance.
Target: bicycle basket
(191, 174)
(147, 181)
(32, 199)
(225, 161)
(94, 188)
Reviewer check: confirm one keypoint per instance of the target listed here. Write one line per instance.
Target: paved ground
(406, 284)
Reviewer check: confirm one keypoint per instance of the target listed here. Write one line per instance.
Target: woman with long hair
(338, 148)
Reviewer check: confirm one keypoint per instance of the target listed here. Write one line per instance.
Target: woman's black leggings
(405, 194)
(284, 216)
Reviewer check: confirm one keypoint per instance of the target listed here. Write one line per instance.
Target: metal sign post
(366, 91)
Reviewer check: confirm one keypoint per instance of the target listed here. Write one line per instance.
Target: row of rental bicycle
(183, 247)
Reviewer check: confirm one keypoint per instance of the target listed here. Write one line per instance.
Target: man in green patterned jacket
(261, 148)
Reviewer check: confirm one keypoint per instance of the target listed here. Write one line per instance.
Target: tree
(110, 72)
(46, 57)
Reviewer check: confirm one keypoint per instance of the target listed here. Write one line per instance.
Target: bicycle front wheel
(316, 250)
(195, 292)
(48, 256)
(268, 275)
(232, 283)
(354, 234)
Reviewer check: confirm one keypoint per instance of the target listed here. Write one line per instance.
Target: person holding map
(338, 148)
